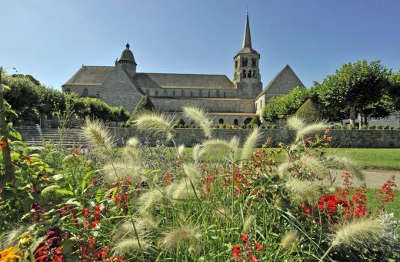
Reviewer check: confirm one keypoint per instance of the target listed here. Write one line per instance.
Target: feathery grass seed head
(156, 123)
(185, 235)
(295, 123)
(359, 232)
(289, 239)
(310, 129)
(249, 144)
(200, 117)
(97, 134)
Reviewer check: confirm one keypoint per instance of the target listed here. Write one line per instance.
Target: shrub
(285, 105)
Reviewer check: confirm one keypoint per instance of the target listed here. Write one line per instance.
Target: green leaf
(64, 192)
(50, 189)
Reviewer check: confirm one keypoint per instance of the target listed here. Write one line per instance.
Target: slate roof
(287, 70)
(169, 80)
(95, 75)
(90, 75)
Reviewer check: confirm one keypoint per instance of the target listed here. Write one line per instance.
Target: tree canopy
(30, 99)
(355, 88)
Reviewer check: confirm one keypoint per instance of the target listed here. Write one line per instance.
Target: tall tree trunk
(8, 166)
(352, 117)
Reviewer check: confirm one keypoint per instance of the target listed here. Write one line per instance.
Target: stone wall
(231, 105)
(340, 138)
(190, 137)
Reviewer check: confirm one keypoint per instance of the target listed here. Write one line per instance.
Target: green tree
(355, 88)
(22, 95)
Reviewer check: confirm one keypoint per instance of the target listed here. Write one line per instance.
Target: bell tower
(247, 78)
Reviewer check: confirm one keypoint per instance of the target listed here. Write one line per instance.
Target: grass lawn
(379, 158)
(391, 207)
(367, 158)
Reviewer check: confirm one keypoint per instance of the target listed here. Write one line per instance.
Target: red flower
(244, 238)
(85, 212)
(330, 202)
(236, 252)
(306, 209)
(85, 223)
(92, 242)
(259, 246)
(97, 212)
(253, 258)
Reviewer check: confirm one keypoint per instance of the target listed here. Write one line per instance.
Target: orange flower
(3, 143)
(10, 255)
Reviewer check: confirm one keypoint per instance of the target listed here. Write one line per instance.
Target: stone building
(227, 101)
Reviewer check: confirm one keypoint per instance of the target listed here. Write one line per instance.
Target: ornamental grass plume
(98, 135)
(314, 165)
(147, 200)
(359, 232)
(126, 246)
(196, 152)
(289, 239)
(142, 223)
(199, 117)
(295, 123)
(283, 169)
(250, 144)
(118, 170)
(213, 146)
(192, 172)
(180, 151)
(133, 142)
(302, 190)
(131, 150)
(310, 129)
(248, 222)
(183, 190)
(156, 123)
(184, 235)
(349, 165)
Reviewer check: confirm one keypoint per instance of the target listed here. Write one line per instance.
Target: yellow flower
(10, 255)
(24, 240)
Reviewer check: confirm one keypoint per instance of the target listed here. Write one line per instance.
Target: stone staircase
(35, 136)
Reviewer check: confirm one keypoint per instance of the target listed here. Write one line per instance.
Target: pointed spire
(247, 35)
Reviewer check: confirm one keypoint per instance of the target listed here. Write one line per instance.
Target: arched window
(156, 93)
(254, 62)
(221, 121)
(236, 122)
(85, 92)
(254, 74)
(224, 94)
(249, 74)
(244, 73)
(236, 64)
(244, 62)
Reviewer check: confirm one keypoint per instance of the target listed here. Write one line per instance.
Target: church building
(226, 101)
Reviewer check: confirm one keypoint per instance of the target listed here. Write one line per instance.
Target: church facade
(226, 101)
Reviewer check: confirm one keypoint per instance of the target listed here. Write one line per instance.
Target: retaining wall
(192, 136)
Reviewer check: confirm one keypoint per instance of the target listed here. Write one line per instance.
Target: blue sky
(52, 39)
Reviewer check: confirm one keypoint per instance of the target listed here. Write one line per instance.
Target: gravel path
(373, 177)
